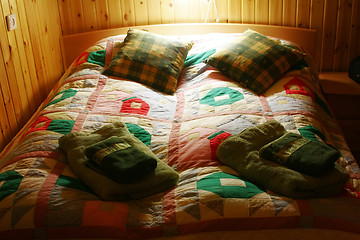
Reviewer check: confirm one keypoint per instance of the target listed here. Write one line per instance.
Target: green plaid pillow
(151, 59)
(255, 61)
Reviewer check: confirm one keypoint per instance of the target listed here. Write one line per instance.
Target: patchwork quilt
(41, 196)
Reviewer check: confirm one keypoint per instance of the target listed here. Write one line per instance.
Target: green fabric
(63, 95)
(140, 133)
(97, 57)
(198, 58)
(70, 182)
(150, 59)
(213, 183)
(313, 158)
(241, 152)
(74, 144)
(119, 160)
(230, 96)
(310, 132)
(10, 182)
(61, 126)
(255, 61)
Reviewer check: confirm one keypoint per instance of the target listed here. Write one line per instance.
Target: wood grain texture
(289, 12)
(31, 59)
(275, 12)
(337, 22)
(90, 16)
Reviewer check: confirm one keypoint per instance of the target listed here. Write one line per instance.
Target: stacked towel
(119, 160)
(74, 144)
(241, 152)
(311, 157)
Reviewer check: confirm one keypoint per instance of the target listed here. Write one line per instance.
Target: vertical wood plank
(248, 11)
(354, 33)
(295, 13)
(27, 83)
(50, 31)
(234, 11)
(222, 10)
(30, 61)
(90, 17)
(13, 69)
(342, 34)
(55, 43)
(154, 11)
(102, 14)
(329, 35)
(27, 45)
(65, 15)
(262, 11)
(357, 27)
(193, 11)
(128, 12)
(167, 11)
(303, 13)
(181, 8)
(77, 16)
(115, 13)
(141, 14)
(9, 124)
(316, 22)
(35, 37)
(289, 13)
(4, 124)
(206, 11)
(275, 12)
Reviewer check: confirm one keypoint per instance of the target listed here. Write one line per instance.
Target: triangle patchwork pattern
(217, 205)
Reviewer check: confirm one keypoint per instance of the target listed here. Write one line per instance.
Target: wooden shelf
(343, 96)
(338, 83)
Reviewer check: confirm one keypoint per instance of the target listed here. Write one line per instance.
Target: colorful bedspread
(41, 197)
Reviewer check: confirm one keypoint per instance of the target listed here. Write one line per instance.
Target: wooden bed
(207, 136)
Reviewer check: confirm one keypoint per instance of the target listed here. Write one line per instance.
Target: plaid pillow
(151, 59)
(255, 61)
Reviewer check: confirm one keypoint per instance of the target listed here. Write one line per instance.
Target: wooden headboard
(75, 44)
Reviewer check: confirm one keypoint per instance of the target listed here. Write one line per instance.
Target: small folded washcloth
(118, 159)
(74, 145)
(301, 154)
(241, 152)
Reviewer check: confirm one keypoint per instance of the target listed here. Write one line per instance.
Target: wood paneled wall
(30, 61)
(337, 21)
(31, 57)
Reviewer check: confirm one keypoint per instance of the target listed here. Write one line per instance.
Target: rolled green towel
(119, 160)
(74, 145)
(241, 152)
(300, 154)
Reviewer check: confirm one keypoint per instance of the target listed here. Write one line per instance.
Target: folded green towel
(301, 154)
(119, 160)
(241, 152)
(74, 144)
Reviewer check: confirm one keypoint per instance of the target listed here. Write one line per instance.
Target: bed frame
(75, 44)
